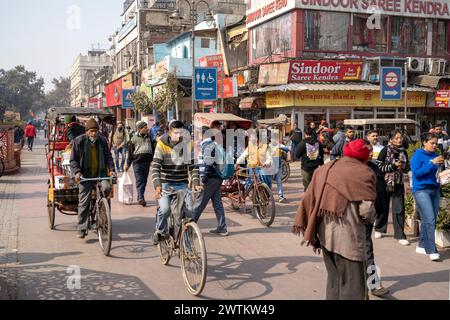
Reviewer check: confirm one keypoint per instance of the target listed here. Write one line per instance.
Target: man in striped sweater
(170, 172)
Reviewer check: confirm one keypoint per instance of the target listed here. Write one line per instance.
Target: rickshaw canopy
(206, 119)
(281, 120)
(363, 122)
(53, 114)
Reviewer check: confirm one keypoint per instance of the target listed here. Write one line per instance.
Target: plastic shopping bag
(125, 189)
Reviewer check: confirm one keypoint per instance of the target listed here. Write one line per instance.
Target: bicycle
(263, 202)
(100, 215)
(186, 239)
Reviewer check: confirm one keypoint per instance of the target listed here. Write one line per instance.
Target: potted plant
(442, 233)
(410, 206)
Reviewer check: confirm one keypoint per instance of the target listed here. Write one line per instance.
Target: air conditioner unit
(416, 64)
(436, 66)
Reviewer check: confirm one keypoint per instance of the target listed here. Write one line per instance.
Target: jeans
(164, 206)
(264, 178)
(212, 191)
(279, 178)
(428, 203)
(141, 172)
(84, 201)
(293, 149)
(30, 141)
(117, 152)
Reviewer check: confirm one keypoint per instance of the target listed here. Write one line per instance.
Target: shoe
(156, 238)
(281, 199)
(81, 234)
(143, 203)
(378, 235)
(223, 233)
(435, 256)
(404, 242)
(420, 250)
(379, 292)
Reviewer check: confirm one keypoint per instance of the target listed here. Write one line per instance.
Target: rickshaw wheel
(51, 215)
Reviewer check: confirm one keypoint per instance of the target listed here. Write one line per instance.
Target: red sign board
(442, 98)
(211, 61)
(95, 103)
(229, 88)
(114, 93)
(324, 71)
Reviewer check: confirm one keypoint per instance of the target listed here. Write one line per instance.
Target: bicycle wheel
(2, 168)
(264, 204)
(51, 214)
(193, 258)
(285, 171)
(167, 246)
(104, 225)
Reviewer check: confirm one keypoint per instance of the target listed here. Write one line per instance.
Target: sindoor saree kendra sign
(325, 70)
(263, 10)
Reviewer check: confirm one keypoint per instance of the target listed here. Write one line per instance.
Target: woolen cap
(92, 124)
(140, 125)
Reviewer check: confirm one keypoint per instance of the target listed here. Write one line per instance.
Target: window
(440, 38)
(366, 37)
(273, 37)
(409, 35)
(205, 43)
(326, 30)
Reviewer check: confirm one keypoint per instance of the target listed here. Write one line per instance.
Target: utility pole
(406, 90)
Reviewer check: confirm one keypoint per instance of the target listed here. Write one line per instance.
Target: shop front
(114, 97)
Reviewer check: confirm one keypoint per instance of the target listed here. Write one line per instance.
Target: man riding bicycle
(170, 173)
(90, 158)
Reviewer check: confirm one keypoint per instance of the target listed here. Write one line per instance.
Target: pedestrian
(170, 173)
(372, 137)
(296, 137)
(45, 127)
(30, 134)
(140, 155)
(333, 215)
(210, 180)
(393, 162)
(311, 155)
(443, 138)
(381, 208)
(90, 158)
(424, 166)
(338, 149)
(276, 150)
(19, 135)
(120, 140)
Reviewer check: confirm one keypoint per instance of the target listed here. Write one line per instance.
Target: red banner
(114, 93)
(324, 71)
(229, 88)
(442, 98)
(211, 61)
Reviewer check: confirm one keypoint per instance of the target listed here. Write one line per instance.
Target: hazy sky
(47, 35)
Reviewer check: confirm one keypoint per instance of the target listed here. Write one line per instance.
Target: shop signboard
(339, 99)
(441, 99)
(273, 74)
(114, 93)
(324, 71)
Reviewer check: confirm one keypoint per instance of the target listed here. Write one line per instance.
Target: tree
(20, 90)
(142, 102)
(169, 94)
(60, 95)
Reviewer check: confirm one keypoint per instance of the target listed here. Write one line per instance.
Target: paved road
(252, 263)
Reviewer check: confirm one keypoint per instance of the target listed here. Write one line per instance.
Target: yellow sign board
(339, 99)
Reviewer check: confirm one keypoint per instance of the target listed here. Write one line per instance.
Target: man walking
(372, 137)
(90, 158)
(338, 150)
(296, 138)
(140, 155)
(210, 181)
(443, 138)
(333, 217)
(120, 139)
(310, 152)
(30, 134)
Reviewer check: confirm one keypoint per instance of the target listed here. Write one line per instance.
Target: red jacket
(30, 131)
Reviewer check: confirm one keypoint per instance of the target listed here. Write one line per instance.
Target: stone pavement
(254, 262)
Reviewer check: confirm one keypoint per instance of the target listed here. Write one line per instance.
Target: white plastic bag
(125, 189)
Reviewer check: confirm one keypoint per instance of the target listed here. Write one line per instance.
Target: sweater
(310, 153)
(139, 150)
(424, 171)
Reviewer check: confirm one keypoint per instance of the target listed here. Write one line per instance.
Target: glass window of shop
(326, 30)
(273, 37)
(439, 39)
(409, 35)
(367, 39)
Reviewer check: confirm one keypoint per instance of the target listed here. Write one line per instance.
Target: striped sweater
(168, 167)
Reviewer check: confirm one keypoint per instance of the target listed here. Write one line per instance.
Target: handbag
(444, 175)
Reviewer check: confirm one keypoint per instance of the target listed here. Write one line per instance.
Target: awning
(333, 87)
(428, 81)
(248, 103)
(237, 35)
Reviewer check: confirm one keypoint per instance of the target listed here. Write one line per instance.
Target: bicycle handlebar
(95, 179)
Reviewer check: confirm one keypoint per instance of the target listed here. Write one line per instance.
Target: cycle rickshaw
(62, 189)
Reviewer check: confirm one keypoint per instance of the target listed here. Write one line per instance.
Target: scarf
(88, 161)
(393, 155)
(332, 187)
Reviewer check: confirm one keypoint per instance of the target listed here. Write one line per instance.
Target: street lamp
(176, 16)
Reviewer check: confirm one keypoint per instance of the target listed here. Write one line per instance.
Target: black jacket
(382, 199)
(77, 156)
(302, 153)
